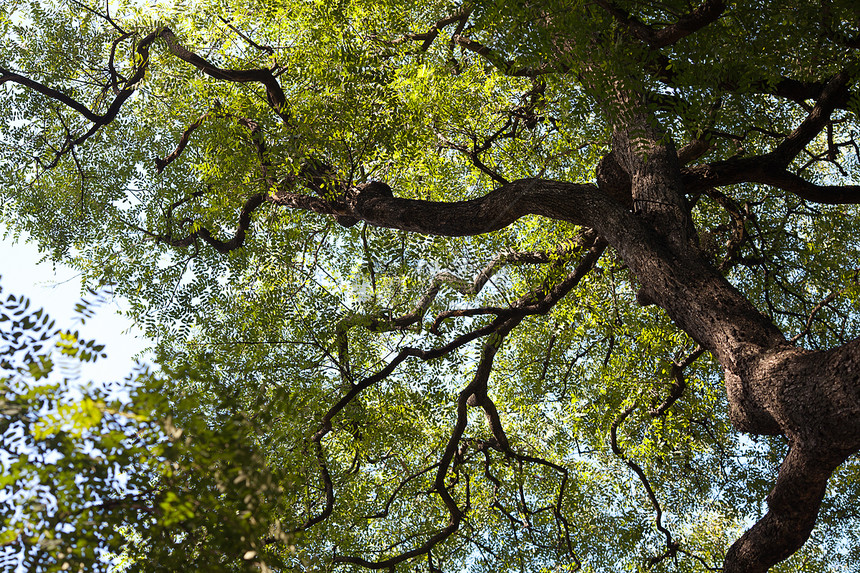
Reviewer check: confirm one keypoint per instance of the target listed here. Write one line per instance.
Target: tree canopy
(442, 286)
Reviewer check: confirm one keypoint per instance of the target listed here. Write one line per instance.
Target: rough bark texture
(639, 207)
(813, 398)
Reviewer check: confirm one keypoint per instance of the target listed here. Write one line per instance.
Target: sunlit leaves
(258, 344)
(85, 465)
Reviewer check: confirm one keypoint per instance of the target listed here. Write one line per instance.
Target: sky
(57, 289)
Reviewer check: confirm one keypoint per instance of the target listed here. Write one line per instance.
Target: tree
(84, 464)
(548, 285)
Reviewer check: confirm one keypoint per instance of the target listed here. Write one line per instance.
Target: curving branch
(499, 440)
(274, 93)
(387, 506)
(473, 151)
(672, 546)
(231, 244)
(98, 120)
(793, 506)
(383, 322)
(695, 295)
(327, 485)
(161, 164)
(708, 12)
(517, 118)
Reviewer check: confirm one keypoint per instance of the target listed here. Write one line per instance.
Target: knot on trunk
(613, 180)
(374, 189)
(364, 192)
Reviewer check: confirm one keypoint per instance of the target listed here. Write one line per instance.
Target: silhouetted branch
(709, 11)
(671, 545)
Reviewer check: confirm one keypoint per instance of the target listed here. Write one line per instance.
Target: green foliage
(99, 476)
(209, 462)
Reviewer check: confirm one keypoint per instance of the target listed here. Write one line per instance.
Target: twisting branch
(160, 164)
(534, 302)
(231, 244)
(499, 440)
(328, 488)
(115, 76)
(98, 120)
(522, 115)
(385, 508)
(251, 204)
(671, 545)
(558, 256)
(709, 11)
(274, 93)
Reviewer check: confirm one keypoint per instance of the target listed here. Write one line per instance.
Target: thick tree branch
(98, 120)
(709, 11)
(696, 296)
(274, 93)
(231, 244)
(759, 170)
(792, 511)
(771, 168)
(834, 92)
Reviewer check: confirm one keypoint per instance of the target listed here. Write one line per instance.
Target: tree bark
(813, 398)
